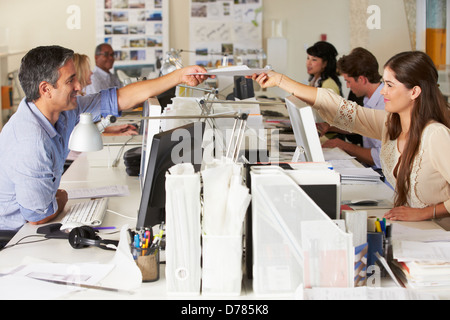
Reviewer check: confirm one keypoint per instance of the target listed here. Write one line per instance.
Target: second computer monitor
(309, 148)
(180, 145)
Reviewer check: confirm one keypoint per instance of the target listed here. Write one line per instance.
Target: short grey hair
(42, 64)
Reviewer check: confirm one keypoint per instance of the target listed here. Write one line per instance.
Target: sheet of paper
(403, 232)
(242, 71)
(86, 273)
(335, 154)
(24, 288)
(421, 251)
(107, 191)
(23, 282)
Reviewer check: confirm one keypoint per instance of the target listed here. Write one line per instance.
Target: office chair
(5, 237)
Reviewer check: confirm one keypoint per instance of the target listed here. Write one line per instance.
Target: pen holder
(148, 262)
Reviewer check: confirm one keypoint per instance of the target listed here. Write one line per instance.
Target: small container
(148, 262)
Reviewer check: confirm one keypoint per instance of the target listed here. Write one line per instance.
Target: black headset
(83, 237)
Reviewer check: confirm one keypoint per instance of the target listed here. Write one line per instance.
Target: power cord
(30, 236)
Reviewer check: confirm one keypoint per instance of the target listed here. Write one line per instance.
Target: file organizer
(225, 203)
(183, 234)
(222, 265)
(294, 242)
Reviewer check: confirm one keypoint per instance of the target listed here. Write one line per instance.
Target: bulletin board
(137, 30)
(233, 27)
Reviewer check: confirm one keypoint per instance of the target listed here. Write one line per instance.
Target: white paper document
(25, 282)
(422, 251)
(242, 71)
(107, 191)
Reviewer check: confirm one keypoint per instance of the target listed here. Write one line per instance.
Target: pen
(383, 226)
(377, 226)
(137, 244)
(104, 228)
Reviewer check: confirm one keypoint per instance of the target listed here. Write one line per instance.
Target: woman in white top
(413, 128)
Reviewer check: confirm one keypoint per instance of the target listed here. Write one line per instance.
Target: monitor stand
(299, 152)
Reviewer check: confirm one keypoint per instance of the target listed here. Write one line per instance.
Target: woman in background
(83, 71)
(414, 129)
(322, 67)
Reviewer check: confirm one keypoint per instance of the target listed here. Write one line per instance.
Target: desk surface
(92, 170)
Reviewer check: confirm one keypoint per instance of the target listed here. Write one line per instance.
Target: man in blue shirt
(34, 142)
(360, 72)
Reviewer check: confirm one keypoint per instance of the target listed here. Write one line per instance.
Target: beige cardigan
(430, 177)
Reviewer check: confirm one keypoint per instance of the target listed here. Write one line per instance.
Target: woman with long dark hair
(414, 129)
(321, 66)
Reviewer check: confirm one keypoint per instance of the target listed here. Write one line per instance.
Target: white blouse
(430, 177)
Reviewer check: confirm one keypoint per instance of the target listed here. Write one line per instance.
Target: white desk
(92, 170)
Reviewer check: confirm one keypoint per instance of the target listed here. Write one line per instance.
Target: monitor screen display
(303, 124)
(179, 145)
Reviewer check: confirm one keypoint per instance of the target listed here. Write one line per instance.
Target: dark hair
(41, 64)
(360, 62)
(327, 52)
(415, 68)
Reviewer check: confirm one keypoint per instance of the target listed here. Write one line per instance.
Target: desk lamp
(86, 136)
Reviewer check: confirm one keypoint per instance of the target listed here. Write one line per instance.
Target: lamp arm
(235, 115)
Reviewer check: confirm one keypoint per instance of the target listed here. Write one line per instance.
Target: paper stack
(350, 175)
(421, 263)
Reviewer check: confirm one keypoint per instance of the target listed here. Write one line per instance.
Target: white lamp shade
(85, 136)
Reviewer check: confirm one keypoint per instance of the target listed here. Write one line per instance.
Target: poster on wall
(229, 30)
(137, 30)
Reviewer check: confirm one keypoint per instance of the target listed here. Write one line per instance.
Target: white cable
(121, 215)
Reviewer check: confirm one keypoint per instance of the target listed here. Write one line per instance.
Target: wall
(25, 24)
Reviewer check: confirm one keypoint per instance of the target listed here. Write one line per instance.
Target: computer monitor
(303, 124)
(149, 128)
(179, 145)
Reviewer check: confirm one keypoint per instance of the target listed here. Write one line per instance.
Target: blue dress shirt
(376, 101)
(32, 156)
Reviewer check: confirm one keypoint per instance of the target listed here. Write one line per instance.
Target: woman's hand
(409, 214)
(268, 80)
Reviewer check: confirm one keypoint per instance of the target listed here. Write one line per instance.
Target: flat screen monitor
(149, 128)
(179, 145)
(303, 124)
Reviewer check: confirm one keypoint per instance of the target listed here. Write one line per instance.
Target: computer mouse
(68, 226)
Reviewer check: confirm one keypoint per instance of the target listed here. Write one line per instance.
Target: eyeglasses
(107, 54)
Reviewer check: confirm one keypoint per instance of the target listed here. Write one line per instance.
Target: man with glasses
(101, 77)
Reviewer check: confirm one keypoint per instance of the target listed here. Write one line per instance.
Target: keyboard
(89, 213)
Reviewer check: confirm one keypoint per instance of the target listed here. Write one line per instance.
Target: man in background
(102, 78)
(361, 72)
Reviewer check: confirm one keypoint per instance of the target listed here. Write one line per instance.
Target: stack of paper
(350, 175)
(422, 258)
